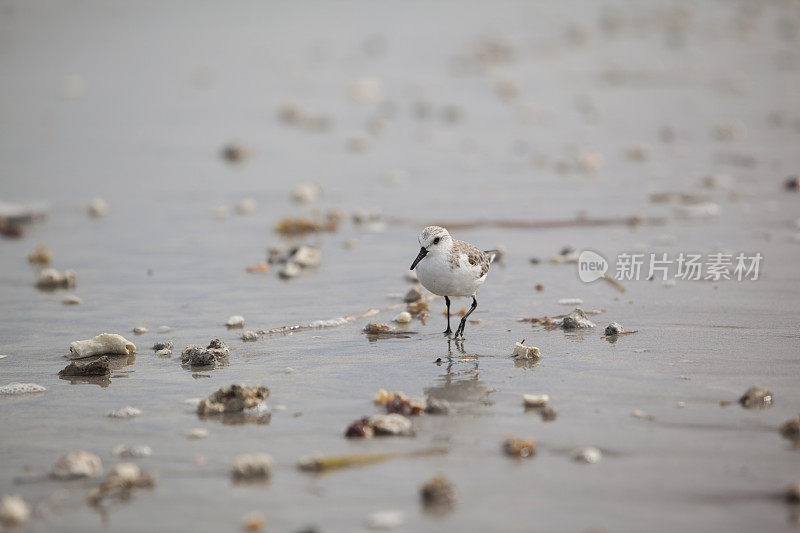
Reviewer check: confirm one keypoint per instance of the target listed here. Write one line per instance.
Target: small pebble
(535, 400)
(413, 294)
(97, 208)
(162, 345)
(403, 318)
(124, 412)
(197, 433)
(235, 321)
(519, 447)
(139, 330)
(385, 519)
(438, 493)
(245, 206)
(756, 398)
(71, 300)
(249, 335)
(614, 328)
(391, 424)
(253, 521)
(77, 464)
(14, 511)
(256, 466)
(128, 452)
(588, 455)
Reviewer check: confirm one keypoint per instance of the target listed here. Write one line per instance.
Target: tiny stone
(385, 520)
(162, 345)
(14, 511)
(756, 398)
(588, 455)
(403, 317)
(519, 447)
(257, 466)
(548, 414)
(435, 406)
(414, 294)
(197, 433)
(391, 424)
(576, 319)
(235, 321)
(614, 328)
(77, 464)
(98, 367)
(139, 330)
(126, 451)
(535, 400)
(438, 493)
(249, 336)
(124, 412)
(638, 413)
(71, 300)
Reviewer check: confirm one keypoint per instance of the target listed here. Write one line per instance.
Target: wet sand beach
(407, 115)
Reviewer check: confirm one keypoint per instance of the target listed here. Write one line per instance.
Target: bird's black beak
(422, 253)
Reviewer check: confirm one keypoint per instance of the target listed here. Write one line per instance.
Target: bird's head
(433, 240)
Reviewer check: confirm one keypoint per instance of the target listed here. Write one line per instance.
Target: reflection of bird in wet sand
(451, 268)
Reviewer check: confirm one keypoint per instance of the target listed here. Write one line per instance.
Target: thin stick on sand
(335, 322)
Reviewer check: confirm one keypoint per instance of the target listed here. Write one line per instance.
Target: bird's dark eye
(436, 240)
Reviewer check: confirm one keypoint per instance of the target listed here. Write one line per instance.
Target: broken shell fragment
(374, 328)
(139, 330)
(535, 400)
(756, 398)
(51, 279)
(413, 294)
(252, 467)
(391, 424)
(245, 206)
(71, 300)
(306, 193)
(614, 328)
(197, 433)
(105, 343)
(516, 447)
(249, 336)
(120, 482)
(638, 413)
(793, 493)
(576, 319)
(289, 270)
(237, 399)
(438, 493)
(360, 429)
(132, 451)
(13, 389)
(98, 367)
(305, 256)
(97, 208)
(587, 455)
(40, 256)
(791, 429)
(14, 511)
(398, 402)
(235, 321)
(526, 352)
(162, 345)
(126, 412)
(389, 519)
(419, 307)
(77, 464)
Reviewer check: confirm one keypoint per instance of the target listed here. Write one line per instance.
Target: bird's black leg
(448, 331)
(463, 323)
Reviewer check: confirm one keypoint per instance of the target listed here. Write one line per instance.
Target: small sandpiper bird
(451, 268)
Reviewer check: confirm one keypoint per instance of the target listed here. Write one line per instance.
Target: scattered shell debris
(52, 279)
(587, 455)
(132, 451)
(77, 464)
(516, 447)
(235, 321)
(40, 255)
(526, 352)
(13, 389)
(245, 403)
(389, 519)
(105, 343)
(438, 493)
(756, 398)
(576, 320)
(120, 482)
(126, 412)
(252, 467)
(14, 511)
(98, 367)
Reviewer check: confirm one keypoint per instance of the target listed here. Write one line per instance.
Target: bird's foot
(448, 331)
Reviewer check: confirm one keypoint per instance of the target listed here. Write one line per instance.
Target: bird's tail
(492, 254)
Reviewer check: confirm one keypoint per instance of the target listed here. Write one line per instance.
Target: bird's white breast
(437, 274)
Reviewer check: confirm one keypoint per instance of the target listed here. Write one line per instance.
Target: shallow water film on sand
(208, 213)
